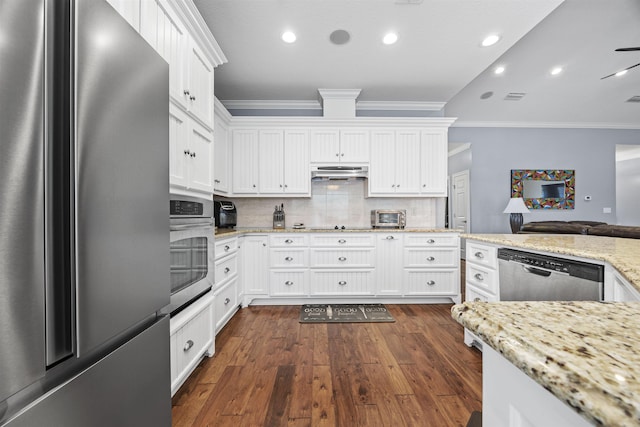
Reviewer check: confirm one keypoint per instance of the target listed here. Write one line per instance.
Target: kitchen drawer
(289, 283)
(482, 277)
(225, 302)
(225, 269)
(349, 257)
(420, 257)
(482, 254)
(473, 294)
(341, 240)
(289, 258)
(431, 282)
(288, 240)
(226, 246)
(431, 239)
(341, 282)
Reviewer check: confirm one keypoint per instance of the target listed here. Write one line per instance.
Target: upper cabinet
(221, 150)
(339, 146)
(434, 160)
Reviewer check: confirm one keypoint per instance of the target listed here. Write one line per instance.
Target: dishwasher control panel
(580, 269)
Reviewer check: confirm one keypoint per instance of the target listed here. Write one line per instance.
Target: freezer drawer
(128, 387)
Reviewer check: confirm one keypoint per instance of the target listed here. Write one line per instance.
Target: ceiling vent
(514, 96)
(339, 103)
(634, 99)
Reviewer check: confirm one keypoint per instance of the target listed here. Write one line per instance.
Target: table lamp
(516, 208)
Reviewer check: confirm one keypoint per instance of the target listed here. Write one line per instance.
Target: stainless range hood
(322, 173)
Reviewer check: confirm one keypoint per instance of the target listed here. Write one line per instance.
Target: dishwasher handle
(537, 271)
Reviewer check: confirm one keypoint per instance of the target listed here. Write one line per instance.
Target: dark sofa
(592, 228)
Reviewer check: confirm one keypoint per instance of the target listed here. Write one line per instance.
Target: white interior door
(460, 201)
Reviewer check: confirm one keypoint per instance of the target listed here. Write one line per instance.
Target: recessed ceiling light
(288, 37)
(621, 73)
(490, 40)
(555, 71)
(339, 37)
(390, 38)
(499, 70)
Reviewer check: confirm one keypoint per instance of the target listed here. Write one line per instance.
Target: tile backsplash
(338, 203)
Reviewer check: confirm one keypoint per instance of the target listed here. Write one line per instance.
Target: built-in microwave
(388, 218)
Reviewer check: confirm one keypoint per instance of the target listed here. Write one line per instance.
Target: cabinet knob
(280, 185)
(337, 154)
(342, 283)
(217, 181)
(226, 248)
(193, 98)
(264, 244)
(186, 91)
(193, 154)
(479, 255)
(286, 186)
(479, 277)
(424, 185)
(226, 301)
(431, 283)
(342, 258)
(341, 154)
(431, 258)
(342, 241)
(288, 258)
(390, 237)
(288, 241)
(188, 345)
(187, 152)
(397, 185)
(288, 283)
(254, 186)
(227, 270)
(431, 241)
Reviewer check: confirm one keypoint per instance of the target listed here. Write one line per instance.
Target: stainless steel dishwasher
(526, 276)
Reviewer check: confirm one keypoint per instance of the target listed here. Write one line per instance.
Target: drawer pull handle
(390, 237)
(479, 277)
(288, 241)
(479, 255)
(431, 241)
(431, 258)
(477, 299)
(342, 283)
(188, 345)
(288, 283)
(226, 248)
(342, 258)
(431, 283)
(226, 301)
(288, 258)
(342, 241)
(227, 270)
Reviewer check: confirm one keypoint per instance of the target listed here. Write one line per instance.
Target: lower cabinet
(226, 303)
(431, 282)
(192, 337)
(254, 261)
(289, 283)
(342, 282)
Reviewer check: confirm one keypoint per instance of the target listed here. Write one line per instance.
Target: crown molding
(399, 106)
(371, 122)
(200, 30)
(545, 125)
(315, 105)
(221, 111)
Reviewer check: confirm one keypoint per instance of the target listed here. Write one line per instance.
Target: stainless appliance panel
(129, 387)
(21, 196)
(122, 197)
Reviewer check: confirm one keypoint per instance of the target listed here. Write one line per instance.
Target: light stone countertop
(623, 254)
(587, 354)
(222, 233)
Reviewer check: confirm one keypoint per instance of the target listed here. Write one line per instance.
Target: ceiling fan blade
(628, 68)
(627, 49)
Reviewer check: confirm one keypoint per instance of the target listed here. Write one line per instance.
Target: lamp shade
(516, 205)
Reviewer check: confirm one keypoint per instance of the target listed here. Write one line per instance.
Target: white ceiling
(438, 58)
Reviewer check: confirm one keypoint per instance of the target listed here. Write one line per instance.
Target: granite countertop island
(587, 354)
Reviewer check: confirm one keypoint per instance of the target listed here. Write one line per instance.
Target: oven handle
(205, 224)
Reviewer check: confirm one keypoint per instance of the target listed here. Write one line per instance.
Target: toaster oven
(388, 218)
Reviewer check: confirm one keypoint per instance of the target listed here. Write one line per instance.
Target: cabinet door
(382, 171)
(297, 178)
(254, 257)
(200, 86)
(201, 158)
(354, 146)
(245, 161)
(389, 264)
(271, 161)
(434, 162)
(160, 26)
(407, 162)
(178, 147)
(325, 146)
(221, 158)
(129, 10)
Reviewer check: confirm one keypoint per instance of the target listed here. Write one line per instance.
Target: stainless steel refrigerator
(84, 218)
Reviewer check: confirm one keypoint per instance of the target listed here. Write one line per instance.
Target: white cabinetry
(226, 277)
(389, 248)
(254, 267)
(395, 162)
(244, 144)
(289, 265)
(434, 160)
(221, 151)
(431, 265)
(342, 264)
(618, 289)
(340, 146)
(191, 337)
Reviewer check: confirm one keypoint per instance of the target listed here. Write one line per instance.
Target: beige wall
(338, 203)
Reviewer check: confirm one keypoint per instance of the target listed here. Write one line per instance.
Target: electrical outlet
(606, 210)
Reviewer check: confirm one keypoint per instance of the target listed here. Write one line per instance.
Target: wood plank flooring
(270, 370)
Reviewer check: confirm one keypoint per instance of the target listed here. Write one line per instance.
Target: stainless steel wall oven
(192, 250)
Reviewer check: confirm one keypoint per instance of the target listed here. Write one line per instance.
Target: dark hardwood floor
(270, 370)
